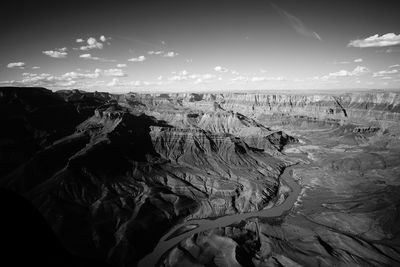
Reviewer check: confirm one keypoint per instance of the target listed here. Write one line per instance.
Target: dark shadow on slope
(27, 239)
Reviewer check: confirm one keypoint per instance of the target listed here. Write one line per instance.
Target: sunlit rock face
(347, 107)
(347, 213)
(113, 173)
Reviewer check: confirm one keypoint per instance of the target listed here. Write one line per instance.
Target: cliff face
(355, 108)
(138, 164)
(347, 208)
(112, 173)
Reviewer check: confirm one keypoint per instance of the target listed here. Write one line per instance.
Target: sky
(203, 45)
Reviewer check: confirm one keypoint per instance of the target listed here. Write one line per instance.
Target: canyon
(115, 174)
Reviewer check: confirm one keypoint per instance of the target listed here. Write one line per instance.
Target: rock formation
(113, 173)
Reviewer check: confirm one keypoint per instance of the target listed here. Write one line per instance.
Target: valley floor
(347, 214)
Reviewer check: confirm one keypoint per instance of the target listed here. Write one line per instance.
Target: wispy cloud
(193, 78)
(163, 53)
(56, 53)
(16, 65)
(297, 24)
(89, 56)
(240, 79)
(359, 70)
(159, 52)
(340, 62)
(67, 79)
(114, 73)
(385, 72)
(170, 54)
(137, 59)
(220, 69)
(388, 39)
(264, 78)
(77, 75)
(127, 84)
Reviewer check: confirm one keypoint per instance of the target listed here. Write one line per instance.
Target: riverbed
(170, 239)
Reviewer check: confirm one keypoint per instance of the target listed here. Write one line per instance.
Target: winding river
(171, 239)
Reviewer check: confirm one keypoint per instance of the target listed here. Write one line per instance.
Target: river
(166, 242)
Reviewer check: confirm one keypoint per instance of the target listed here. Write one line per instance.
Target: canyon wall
(112, 172)
(360, 108)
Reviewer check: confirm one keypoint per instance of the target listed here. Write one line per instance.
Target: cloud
(263, 79)
(340, 73)
(358, 60)
(184, 75)
(240, 79)
(92, 43)
(388, 39)
(170, 54)
(57, 53)
(114, 82)
(14, 65)
(35, 67)
(89, 56)
(11, 82)
(65, 80)
(220, 69)
(155, 52)
(122, 65)
(297, 24)
(46, 79)
(341, 62)
(137, 59)
(32, 78)
(77, 75)
(359, 70)
(258, 79)
(394, 66)
(79, 40)
(384, 73)
(202, 78)
(73, 78)
(114, 73)
(163, 53)
(178, 78)
(104, 38)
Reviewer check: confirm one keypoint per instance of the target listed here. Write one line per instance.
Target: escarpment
(113, 173)
(358, 107)
(138, 165)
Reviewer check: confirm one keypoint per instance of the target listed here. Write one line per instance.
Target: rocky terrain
(112, 174)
